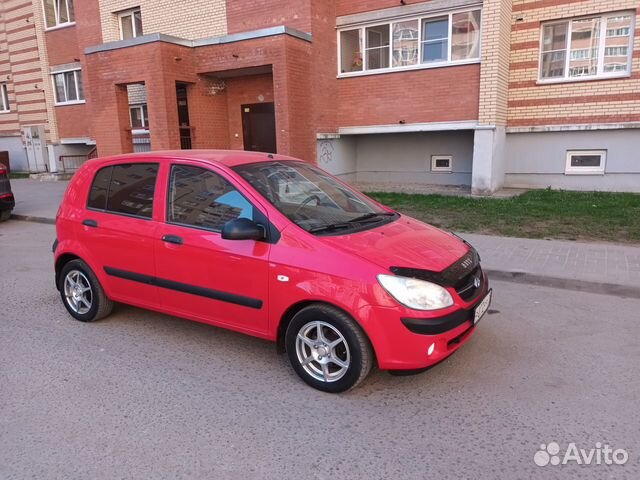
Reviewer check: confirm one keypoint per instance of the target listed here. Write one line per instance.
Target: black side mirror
(242, 229)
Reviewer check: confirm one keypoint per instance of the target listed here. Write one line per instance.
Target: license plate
(482, 308)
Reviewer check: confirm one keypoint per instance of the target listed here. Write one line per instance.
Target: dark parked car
(7, 202)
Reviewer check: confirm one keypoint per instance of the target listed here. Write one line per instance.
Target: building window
(139, 117)
(441, 163)
(410, 43)
(4, 98)
(68, 87)
(585, 162)
(586, 48)
(58, 13)
(130, 24)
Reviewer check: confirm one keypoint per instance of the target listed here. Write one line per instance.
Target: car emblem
(467, 263)
(476, 282)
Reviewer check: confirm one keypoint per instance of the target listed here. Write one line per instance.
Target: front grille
(467, 288)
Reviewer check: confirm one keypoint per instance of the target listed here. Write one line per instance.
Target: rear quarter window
(126, 189)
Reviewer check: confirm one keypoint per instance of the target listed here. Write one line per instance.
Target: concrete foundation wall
(398, 158)
(17, 153)
(537, 160)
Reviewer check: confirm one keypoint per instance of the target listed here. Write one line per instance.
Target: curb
(29, 218)
(565, 283)
(501, 275)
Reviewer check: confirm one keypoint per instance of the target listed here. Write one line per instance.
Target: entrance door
(259, 127)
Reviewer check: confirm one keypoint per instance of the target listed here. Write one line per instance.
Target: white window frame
(599, 170)
(124, 13)
(57, 16)
(64, 80)
(419, 66)
(139, 106)
(4, 99)
(601, 74)
(436, 169)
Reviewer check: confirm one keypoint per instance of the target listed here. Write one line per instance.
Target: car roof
(228, 158)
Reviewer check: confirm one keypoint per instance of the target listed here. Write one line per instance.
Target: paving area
(598, 263)
(586, 266)
(145, 395)
(37, 199)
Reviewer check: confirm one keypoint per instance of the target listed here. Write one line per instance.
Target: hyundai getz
(270, 246)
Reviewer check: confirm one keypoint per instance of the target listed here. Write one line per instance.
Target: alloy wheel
(323, 351)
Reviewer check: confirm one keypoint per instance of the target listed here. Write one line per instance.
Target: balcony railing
(186, 138)
(71, 163)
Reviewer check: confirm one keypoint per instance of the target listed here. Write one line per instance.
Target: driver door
(202, 275)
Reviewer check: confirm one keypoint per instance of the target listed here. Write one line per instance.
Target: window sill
(4, 111)
(422, 66)
(77, 102)
(60, 26)
(584, 79)
(584, 173)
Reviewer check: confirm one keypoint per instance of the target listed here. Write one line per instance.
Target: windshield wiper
(349, 223)
(368, 216)
(329, 227)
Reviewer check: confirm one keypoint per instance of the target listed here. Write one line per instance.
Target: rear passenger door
(119, 230)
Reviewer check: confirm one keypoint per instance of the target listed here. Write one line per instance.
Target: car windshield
(311, 198)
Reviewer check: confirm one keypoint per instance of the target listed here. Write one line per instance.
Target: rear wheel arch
(61, 261)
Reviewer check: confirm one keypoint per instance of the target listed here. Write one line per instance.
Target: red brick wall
(66, 45)
(347, 7)
(428, 95)
(160, 65)
(241, 91)
(246, 15)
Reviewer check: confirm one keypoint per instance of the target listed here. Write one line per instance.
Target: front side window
(4, 98)
(68, 87)
(586, 47)
(411, 43)
(130, 24)
(58, 12)
(203, 199)
(126, 189)
(311, 198)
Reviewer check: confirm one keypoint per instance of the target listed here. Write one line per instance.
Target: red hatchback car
(273, 247)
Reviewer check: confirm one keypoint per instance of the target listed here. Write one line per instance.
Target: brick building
(492, 93)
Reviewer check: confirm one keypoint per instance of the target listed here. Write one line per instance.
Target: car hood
(405, 242)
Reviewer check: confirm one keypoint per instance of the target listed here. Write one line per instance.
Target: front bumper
(406, 339)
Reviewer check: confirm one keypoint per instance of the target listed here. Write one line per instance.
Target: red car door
(118, 229)
(199, 274)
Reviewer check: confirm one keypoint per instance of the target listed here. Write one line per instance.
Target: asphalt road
(144, 395)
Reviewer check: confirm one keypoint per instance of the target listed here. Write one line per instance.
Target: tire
(96, 305)
(343, 348)
(5, 215)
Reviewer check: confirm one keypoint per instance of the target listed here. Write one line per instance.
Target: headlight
(416, 294)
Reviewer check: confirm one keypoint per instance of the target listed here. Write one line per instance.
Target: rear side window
(203, 199)
(125, 189)
(100, 189)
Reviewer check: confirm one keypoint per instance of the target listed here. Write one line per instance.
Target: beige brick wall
(494, 70)
(190, 19)
(597, 101)
(24, 67)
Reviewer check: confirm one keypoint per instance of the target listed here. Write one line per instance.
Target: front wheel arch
(296, 307)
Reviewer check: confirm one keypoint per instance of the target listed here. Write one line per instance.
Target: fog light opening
(431, 349)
